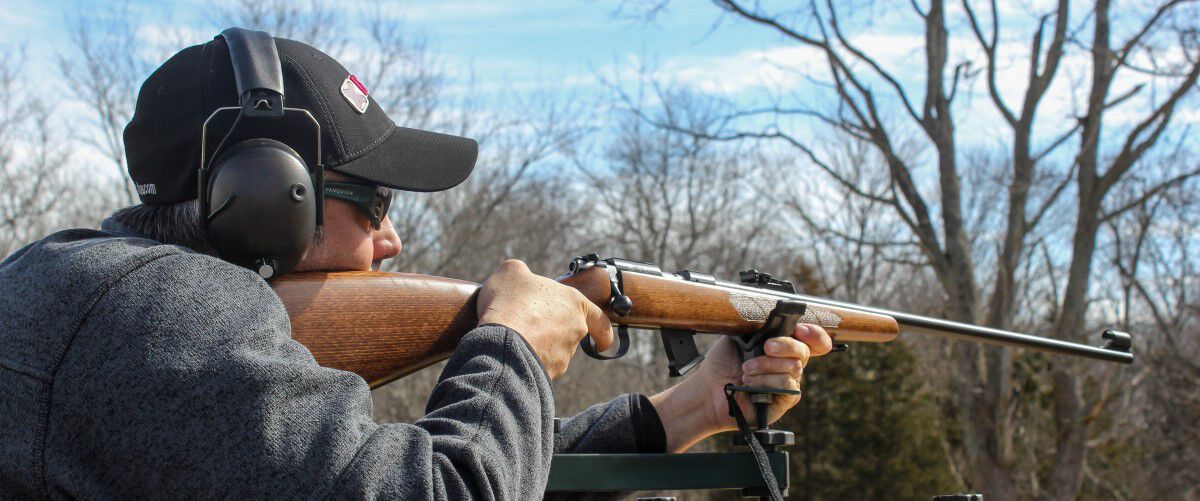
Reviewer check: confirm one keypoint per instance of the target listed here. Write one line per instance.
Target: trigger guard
(589, 345)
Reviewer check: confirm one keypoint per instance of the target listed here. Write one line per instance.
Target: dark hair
(177, 224)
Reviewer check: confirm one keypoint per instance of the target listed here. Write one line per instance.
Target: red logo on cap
(361, 87)
(355, 93)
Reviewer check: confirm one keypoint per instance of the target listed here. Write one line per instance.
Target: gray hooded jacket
(130, 368)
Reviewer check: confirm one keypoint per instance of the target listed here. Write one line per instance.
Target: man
(136, 364)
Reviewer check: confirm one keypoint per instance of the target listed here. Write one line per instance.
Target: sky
(527, 46)
(497, 47)
(537, 46)
(509, 40)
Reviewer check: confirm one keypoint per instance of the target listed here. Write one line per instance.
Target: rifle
(383, 326)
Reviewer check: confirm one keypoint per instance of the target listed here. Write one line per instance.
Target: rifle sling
(756, 448)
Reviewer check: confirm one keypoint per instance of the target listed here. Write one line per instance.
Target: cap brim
(415, 160)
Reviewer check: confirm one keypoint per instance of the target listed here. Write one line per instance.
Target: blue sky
(508, 40)
(523, 47)
(532, 46)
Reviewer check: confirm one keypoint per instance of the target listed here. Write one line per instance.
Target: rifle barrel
(919, 324)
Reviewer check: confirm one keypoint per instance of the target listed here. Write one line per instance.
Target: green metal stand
(653, 472)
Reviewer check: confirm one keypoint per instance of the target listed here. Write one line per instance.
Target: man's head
(358, 144)
(349, 241)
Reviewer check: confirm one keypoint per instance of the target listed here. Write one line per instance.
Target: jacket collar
(111, 225)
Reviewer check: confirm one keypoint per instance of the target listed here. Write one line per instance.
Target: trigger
(589, 345)
(682, 354)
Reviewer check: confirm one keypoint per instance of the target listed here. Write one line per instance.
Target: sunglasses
(373, 200)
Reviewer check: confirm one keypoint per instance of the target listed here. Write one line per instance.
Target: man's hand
(696, 408)
(552, 317)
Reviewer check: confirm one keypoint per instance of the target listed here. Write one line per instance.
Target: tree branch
(900, 92)
(1132, 150)
(1149, 194)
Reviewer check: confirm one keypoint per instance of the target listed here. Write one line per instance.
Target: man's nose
(386, 241)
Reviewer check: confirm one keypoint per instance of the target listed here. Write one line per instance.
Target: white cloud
(776, 67)
(16, 17)
(788, 67)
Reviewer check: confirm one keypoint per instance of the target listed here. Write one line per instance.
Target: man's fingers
(598, 324)
(773, 365)
(772, 381)
(514, 266)
(815, 337)
(786, 347)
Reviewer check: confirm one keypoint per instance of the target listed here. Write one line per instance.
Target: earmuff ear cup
(261, 208)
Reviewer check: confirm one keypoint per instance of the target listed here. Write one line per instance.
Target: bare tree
(104, 71)
(1154, 257)
(1095, 179)
(674, 198)
(858, 248)
(32, 182)
(865, 88)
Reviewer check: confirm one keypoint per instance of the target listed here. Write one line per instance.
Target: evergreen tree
(867, 429)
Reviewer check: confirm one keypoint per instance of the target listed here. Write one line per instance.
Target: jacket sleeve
(626, 424)
(183, 381)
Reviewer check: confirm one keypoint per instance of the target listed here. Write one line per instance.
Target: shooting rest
(655, 472)
(761, 472)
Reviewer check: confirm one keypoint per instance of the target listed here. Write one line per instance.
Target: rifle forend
(384, 326)
(669, 301)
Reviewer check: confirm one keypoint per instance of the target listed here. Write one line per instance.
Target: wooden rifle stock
(667, 302)
(383, 326)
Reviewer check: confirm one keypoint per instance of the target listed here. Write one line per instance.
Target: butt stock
(381, 326)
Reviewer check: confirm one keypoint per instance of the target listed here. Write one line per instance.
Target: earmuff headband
(257, 71)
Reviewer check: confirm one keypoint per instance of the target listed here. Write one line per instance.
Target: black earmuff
(262, 206)
(260, 200)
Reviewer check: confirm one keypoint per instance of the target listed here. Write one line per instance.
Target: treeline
(870, 189)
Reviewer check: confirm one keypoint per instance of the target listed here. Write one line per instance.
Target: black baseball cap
(162, 141)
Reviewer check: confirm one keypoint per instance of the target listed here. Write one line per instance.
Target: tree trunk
(1071, 444)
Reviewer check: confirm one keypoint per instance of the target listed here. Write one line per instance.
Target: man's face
(350, 243)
